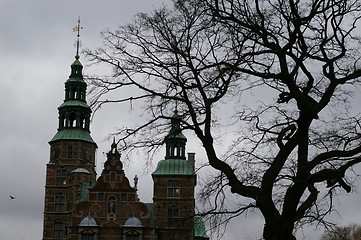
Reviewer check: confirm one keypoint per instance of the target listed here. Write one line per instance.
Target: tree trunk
(278, 230)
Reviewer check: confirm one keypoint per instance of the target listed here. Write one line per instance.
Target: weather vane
(77, 29)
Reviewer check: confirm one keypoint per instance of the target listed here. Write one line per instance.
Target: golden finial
(77, 29)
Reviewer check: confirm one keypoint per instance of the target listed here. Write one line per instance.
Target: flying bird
(12, 197)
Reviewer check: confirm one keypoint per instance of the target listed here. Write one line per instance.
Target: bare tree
(288, 154)
(351, 232)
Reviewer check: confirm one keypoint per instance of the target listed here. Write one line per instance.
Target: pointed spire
(77, 29)
(175, 122)
(77, 67)
(175, 162)
(113, 159)
(113, 146)
(75, 113)
(175, 140)
(113, 151)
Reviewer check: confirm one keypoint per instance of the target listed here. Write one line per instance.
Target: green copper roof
(199, 228)
(73, 134)
(74, 103)
(76, 71)
(174, 136)
(76, 62)
(75, 79)
(174, 167)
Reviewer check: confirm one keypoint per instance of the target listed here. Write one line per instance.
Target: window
(86, 155)
(70, 151)
(60, 203)
(100, 196)
(123, 197)
(132, 237)
(59, 229)
(54, 154)
(71, 120)
(173, 216)
(87, 236)
(61, 177)
(173, 188)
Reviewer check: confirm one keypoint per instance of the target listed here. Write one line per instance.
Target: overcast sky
(36, 50)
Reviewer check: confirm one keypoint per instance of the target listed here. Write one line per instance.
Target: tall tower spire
(72, 155)
(74, 113)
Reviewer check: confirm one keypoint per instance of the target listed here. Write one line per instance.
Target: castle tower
(72, 157)
(174, 181)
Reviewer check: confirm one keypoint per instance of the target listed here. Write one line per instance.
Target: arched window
(60, 203)
(61, 177)
(173, 216)
(72, 93)
(82, 121)
(59, 229)
(71, 120)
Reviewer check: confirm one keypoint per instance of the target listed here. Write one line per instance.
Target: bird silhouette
(12, 197)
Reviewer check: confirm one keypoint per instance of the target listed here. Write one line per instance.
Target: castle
(80, 206)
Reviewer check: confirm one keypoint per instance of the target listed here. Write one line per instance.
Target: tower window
(71, 120)
(70, 151)
(173, 216)
(82, 121)
(86, 155)
(59, 230)
(54, 154)
(60, 203)
(73, 92)
(61, 177)
(173, 188)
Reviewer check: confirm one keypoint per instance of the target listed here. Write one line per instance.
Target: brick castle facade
(81, 206)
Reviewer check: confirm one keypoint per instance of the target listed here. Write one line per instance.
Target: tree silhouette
(351, 232)
(270, 81)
